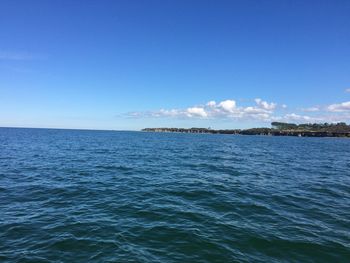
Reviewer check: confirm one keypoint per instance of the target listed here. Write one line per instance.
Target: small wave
(114, 167)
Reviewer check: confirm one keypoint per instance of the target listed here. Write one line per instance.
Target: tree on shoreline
(340, 127)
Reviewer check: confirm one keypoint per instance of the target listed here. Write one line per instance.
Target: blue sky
(133, 64)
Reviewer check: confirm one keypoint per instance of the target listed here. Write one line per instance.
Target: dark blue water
(99, 196)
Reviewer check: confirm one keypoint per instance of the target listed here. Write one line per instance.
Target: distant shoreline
(302, 130)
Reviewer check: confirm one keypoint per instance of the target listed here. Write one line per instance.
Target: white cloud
(339, 117)
(265, 105)
(284, 106)
(311, 109)
(224, 109)
(211, 103)
(340, 107)
(253, 110)
(196, 111)
(261, 111)
(347, 90)
(171, 113)
(297, 117)
(228, 105)
(243, 114)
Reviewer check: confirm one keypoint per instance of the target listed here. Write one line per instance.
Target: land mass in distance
(278, 129)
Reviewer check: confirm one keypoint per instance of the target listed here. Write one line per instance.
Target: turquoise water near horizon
(107, 196)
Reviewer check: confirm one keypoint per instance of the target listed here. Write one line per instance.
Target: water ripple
(93, 196)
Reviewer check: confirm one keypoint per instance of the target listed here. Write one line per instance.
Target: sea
(120, 196)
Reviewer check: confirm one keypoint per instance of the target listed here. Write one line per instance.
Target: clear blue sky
(133, 64)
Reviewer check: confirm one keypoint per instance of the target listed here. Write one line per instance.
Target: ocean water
(105, 196)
